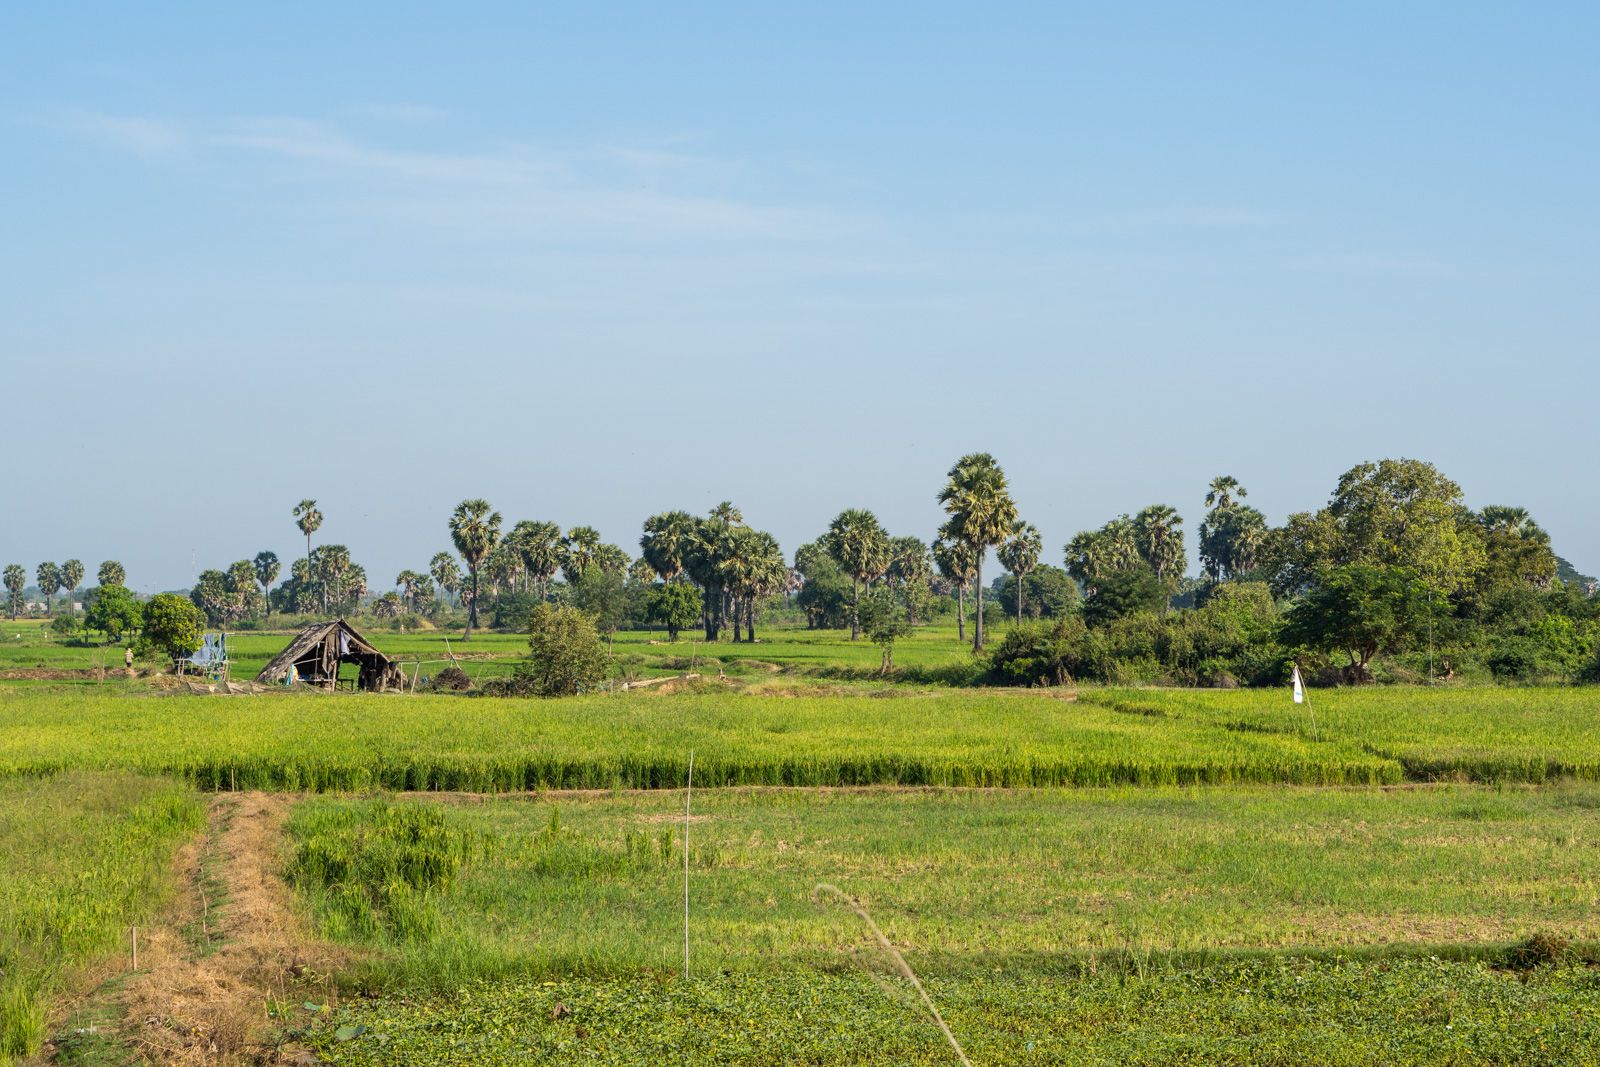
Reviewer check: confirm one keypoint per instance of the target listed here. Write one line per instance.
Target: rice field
(632, 741)
(1484, 734)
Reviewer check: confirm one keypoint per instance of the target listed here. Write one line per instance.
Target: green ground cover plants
(82, 856)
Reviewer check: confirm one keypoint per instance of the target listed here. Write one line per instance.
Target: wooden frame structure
(318, 650)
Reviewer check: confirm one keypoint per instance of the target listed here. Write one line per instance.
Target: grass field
(81, 858)
(1077, 926)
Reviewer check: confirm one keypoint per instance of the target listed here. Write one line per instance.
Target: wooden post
(136, 948)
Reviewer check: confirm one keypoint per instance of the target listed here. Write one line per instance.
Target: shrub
(451, 680)
(566, 654)
(1040, 654)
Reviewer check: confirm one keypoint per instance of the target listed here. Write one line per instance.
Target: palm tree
(909, 566)
(540, 546)
(111, 573)
(578, 550)
(955, 562)
(728, 513)
(309, 520)
(475, 530)
(446, 575)
(1499, 518)
(665, 542)
(267, 568)
(1223, 489)
(859, 544)
(1020, 554)
(71, 578)
(1159, 533)
(16, 581)
(331, 569)
(48, 576)
(981, 513)
(409, 581)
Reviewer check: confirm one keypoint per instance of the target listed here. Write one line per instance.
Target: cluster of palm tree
(52, 578)
(734, 565)
(1153, 537)
(524, 560)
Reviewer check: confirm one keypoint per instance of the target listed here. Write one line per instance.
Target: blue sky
(594, 263)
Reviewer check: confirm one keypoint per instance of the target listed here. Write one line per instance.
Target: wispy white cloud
(143, 135)
(505, 187)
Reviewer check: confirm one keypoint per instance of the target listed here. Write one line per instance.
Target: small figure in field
(127, 657)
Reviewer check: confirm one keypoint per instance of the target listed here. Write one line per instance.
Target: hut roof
(351, 644)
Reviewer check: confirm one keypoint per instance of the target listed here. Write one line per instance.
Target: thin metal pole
(688, 797)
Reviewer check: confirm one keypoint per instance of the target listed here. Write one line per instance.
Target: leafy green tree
(65, 625)
(114, 611)
(1048, 592)
(1396, 513)
(566, 657)
(824, 593)
(72, 577)
(171, 625)
(666, 542)
(675, 605)
(858, 544)
(958, 565)
(446, 574)
(112, 573)
(1122, 593)
(1158, 531)
(266, 568)
(1020, 555)
(308, 520)
(601, 593)
(16, 581)
(1361, 610)
(475, 530)
(883, 618)
(981, 513)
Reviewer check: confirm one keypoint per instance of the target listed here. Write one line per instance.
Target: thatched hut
(315, 654)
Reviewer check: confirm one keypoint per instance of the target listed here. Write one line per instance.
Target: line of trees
(1393, 568)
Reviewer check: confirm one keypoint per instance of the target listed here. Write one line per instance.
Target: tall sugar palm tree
(408, 582)
(48, 577)
(267, 567)
(859, 544)
(665, 542)
(981, 511)
(309, 520)
(1020, 554)
(446, 574)
(956, 563)
(475, 530)
(1224, 487)
(578, 551)
(111, 573)
(1159, 533)
(71, 578)
(16, 581)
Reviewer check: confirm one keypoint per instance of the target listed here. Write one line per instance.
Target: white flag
(1299, 689)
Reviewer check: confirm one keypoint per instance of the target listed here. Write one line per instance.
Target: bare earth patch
(235, 943)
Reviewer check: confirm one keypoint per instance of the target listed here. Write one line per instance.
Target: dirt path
(234, 946)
